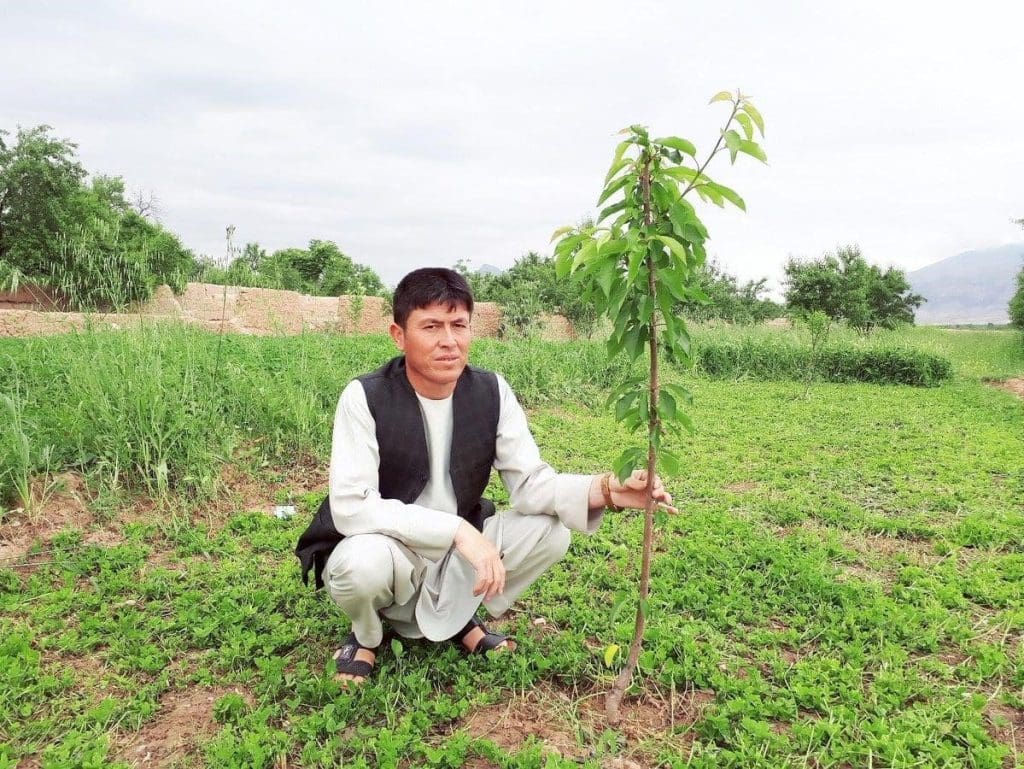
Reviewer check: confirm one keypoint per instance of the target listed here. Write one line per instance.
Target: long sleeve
(356, 504)
(533, 485)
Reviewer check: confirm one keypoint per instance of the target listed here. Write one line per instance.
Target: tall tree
(1017, 300)
(40, 178)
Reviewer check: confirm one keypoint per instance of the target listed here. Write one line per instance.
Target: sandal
(489, 641)
(346, 662)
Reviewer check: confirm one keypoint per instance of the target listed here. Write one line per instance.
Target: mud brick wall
(239, 310)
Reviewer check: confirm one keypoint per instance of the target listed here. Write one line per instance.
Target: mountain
(489, 269)
(972, 287)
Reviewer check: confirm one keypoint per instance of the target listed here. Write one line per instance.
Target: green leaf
(635, 338)
(680, 214)
(560, 232)
(708, 191)
(627, 462)
(674, 278)
(586, 253)
(751, 110)
(606, 276)
(611, 247)
(397, 649)
(614, 187)
(666, 405)
(684, 146)
(721, 96)
(669, 463)
(605, 213)
(679, 392)
(728, 194)
(636, 258)
(748, 127)
(732, 141)
(621, 601)
(563, 266)
(617, 166)
(624, 404)
(682, 173)
(754, 150)
(610, 653)
(674, 246)
(621, 148)
(663, 197)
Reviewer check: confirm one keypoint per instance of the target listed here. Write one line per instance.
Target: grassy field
(844, 586)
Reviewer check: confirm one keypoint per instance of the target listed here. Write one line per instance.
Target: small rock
(540, 621)
(620, 763)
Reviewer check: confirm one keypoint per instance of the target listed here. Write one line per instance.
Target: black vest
(404, 467)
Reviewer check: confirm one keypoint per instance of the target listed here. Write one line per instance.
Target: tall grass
(155, 408)
(152, 408)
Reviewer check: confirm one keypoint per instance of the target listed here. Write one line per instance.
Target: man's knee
(556, 540)
(360, 566)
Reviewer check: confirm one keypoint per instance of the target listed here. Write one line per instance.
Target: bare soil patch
(184, 720)
(1006, 725)
(57, 504)
(1015, 386)
(569, 726)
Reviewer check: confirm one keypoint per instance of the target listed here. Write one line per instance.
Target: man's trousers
(372, 576)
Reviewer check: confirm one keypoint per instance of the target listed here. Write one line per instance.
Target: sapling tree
(635, 263)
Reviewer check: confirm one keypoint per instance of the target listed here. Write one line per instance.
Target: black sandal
(488, 642)
(346, 662)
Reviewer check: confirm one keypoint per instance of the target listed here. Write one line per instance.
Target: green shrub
(776, 357)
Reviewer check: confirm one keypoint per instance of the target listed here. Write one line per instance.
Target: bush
(775, 357)
(1017, 303)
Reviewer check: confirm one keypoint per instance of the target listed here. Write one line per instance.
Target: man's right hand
(485, 559)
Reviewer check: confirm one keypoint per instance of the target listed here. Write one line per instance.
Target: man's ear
(398, 334)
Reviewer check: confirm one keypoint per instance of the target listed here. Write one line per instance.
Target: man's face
(435, 341)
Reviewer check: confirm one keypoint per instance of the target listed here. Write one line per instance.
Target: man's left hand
(633, 492)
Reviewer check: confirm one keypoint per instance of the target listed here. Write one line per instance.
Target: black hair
(430, 285)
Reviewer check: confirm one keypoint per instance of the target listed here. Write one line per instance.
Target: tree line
(98, 247)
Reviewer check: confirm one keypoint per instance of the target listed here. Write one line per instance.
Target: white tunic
(428, 526)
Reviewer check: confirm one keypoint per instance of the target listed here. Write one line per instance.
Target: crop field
(843, 585)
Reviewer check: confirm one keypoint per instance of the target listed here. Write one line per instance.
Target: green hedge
(777, 358)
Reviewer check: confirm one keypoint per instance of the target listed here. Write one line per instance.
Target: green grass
(845, 580)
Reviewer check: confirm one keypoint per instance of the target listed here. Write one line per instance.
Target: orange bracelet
(607, 492)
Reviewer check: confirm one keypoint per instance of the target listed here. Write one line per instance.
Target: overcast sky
(421, 134)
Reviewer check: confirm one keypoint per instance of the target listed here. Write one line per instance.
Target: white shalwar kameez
(398, 560)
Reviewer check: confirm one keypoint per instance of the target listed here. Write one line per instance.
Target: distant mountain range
(972, 287)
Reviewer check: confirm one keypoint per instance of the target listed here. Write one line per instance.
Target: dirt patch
(1015, 386)
(57, 503)
(570, 727)
(178, 729)
(1006, 725)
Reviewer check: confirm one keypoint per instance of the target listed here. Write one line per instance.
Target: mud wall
(239, 310)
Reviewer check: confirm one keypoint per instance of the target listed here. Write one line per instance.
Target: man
(404, 533)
